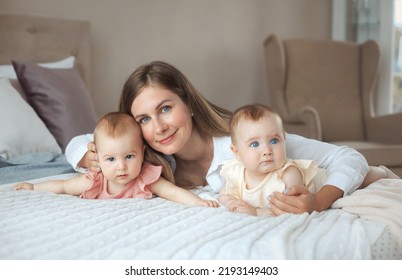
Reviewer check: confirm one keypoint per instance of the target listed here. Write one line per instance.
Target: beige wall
(216, 43)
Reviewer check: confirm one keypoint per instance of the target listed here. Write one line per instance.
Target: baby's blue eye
(254, 144)
(129, 156)
(274, 141)
(110, 159)
(166, 109)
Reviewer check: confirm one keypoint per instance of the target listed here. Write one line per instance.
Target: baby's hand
(234, 204)
(246, 209)
(208, 203)
(24, 186)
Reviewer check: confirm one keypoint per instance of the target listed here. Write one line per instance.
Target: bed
(38, 118)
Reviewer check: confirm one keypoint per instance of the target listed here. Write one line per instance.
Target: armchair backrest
(336, 78)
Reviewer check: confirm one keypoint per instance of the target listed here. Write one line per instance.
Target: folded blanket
(380, 202)
(34, 158)
(33, 166)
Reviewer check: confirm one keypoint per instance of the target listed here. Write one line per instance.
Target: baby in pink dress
(124, 174)
(136, 188)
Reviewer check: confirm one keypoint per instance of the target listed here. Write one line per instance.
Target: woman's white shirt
(76, 149)
(346, 168)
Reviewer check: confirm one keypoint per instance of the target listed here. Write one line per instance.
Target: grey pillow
(60, 98)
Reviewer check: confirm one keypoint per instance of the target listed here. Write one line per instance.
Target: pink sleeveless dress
(137, 188)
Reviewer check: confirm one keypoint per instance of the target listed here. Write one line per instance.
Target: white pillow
(7, 71)
(22, 131)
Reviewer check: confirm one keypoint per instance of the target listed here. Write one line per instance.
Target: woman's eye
(254, 144)
(144, 120)
(129, 156)
(110, 159)
(166, 109)
(274, 141)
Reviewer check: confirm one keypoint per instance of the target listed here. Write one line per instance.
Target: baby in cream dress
(261, 166)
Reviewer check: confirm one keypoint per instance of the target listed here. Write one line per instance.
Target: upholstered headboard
(45, 39)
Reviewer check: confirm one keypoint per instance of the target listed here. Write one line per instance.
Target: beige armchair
(323, 89)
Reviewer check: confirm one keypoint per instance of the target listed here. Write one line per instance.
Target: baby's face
(260, 145)
(120, 157)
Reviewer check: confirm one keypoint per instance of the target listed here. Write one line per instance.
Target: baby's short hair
(116, 124)
(252, 112)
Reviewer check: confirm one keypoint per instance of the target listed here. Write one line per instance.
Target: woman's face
(164, 118)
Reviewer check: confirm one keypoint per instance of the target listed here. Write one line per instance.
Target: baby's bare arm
(292, 177)
(240, 206)
(74, 186)
(169, 191)
(264, 212)
(56, 186)
(23, 186)
(230, 202)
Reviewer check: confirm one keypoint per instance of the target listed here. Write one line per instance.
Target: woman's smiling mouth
(168, 139)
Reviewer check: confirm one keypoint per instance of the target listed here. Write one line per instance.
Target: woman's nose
(160, 126)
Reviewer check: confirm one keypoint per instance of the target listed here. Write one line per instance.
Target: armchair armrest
(385, 129)
(304, 122)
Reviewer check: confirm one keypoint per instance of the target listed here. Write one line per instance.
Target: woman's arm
(81, 153)
(346, 168)
(298, 200)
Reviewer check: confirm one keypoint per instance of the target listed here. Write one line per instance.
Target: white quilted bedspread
(40, 225)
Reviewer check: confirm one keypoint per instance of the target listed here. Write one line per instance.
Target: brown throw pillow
(60, 98)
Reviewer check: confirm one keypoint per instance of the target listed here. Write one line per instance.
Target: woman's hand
(298, 200)
(90, 159)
